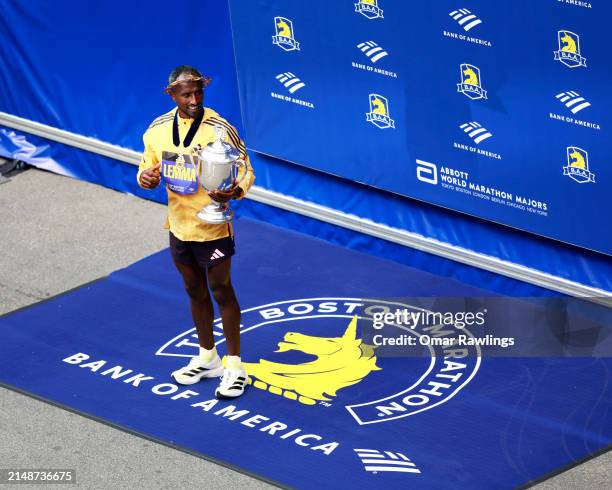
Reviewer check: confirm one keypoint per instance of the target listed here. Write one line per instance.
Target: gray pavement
(58, 233)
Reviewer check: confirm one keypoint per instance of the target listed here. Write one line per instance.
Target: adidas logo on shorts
(217, 254)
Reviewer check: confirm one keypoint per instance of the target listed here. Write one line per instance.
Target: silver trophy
(218, 167)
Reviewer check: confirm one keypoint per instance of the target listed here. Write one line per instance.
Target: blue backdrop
(493, 109)
(98, 73)
(99, 69)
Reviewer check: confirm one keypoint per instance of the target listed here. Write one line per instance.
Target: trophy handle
(240, 163)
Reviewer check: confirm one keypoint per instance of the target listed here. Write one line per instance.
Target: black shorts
(205, 254)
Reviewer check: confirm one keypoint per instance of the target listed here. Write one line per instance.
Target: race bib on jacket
(180, 172)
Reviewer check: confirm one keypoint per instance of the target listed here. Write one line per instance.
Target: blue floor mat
(346, 418)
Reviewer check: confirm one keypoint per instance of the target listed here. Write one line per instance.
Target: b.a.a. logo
(569, 50)
(577, 167)
(285, 37)
(369, 9)
(309, 354)
(379, 112)
(471, 84)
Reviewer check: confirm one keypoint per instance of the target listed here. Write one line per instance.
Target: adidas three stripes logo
(290, 81)
(465, 18)
(217, 254)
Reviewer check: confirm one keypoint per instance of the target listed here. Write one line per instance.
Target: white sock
(233, 362)
(208, 355)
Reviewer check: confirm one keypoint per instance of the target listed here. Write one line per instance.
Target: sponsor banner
(461, 181)
(466, 86)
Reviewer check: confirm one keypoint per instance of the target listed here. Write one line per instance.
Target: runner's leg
(223, 292)
(194, 280)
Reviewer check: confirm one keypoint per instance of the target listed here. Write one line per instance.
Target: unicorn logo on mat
(325, 358)
(341, 362)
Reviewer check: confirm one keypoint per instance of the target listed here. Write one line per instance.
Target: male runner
(201, 252)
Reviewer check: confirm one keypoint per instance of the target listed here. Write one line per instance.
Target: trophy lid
(219, 150)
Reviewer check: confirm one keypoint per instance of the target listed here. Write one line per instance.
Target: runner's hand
(224, 196)
(150, 177)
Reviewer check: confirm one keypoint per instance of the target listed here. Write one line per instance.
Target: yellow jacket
(182, 209)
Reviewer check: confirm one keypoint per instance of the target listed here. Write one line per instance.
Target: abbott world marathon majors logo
(310, 354)
(460, 180)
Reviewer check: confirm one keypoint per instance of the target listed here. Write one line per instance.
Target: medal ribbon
(193, 129)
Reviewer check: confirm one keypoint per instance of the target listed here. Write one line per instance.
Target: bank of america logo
(569, 49)
(465, 18)
(573, 101)
(369, 9)
(372, 50)
(290, 81)
(475, 131)
(375, 461)
(379, 112)
(577, 167)
(284, 38)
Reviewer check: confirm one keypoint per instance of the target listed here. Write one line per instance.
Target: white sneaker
(232, 384)
(198, 369)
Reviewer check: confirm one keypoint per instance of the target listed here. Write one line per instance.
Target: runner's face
(188, 97)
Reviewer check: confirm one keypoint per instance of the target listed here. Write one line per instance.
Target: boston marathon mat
(340, 395)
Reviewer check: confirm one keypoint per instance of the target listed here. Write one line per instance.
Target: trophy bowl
(218, 166)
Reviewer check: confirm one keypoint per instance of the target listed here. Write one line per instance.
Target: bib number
(179, 172)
